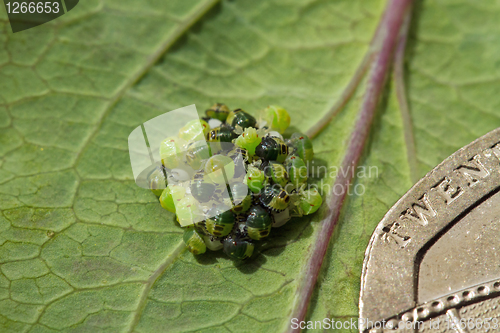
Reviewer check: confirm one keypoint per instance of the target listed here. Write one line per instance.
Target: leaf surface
(82, 248)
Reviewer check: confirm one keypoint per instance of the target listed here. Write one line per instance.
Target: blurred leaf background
(83, 249)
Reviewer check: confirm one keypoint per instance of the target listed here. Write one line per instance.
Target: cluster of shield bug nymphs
(232, 178)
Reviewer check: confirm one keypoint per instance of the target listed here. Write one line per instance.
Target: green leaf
(82, 248)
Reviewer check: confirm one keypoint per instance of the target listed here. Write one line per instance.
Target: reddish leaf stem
(400, 86)
(383, 43)
(344, 97)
